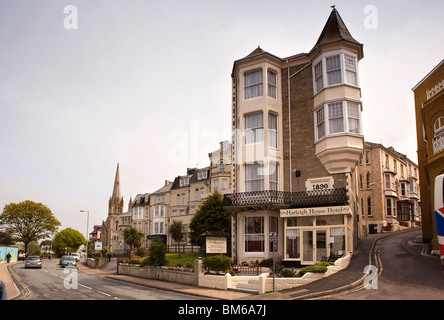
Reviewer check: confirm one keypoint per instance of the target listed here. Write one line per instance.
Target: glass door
(321, 245)
(307, 246)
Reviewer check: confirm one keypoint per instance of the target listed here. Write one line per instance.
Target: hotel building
(429, 110)
(388, 183)
(297, 139)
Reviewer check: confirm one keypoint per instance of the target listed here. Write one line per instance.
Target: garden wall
(196, 277)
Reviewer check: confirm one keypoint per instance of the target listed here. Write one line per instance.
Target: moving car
(68, 261)
(76, 255)
(33, 262)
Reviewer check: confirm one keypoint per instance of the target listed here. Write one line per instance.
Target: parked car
(68, 261)
(76, 255)
(33, 262)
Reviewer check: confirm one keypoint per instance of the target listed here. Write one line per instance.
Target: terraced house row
(293, 174)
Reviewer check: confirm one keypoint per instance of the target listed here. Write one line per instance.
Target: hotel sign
(216, 244)
(320, 211)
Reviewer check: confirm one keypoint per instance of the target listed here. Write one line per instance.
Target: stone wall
(261, 283)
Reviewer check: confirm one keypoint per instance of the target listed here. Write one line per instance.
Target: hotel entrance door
(314, 246)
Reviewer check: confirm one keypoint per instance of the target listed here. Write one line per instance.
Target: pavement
(346, 279)
(12, 291)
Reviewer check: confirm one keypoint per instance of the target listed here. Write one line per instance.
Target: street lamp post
(87, 228)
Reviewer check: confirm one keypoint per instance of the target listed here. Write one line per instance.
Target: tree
(177, 231)
(67, 238)
(29, 221)
(133, 238)
(6, 238)
(211, 216)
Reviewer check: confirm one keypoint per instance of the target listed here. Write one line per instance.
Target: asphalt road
(55, 283)
(405, 272)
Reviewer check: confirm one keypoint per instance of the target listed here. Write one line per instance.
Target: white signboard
(98, 246)
(321, 211)
(216, 244)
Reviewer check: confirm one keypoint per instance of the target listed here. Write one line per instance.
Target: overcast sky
(147, 84)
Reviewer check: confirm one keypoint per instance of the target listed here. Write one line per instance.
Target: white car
(76, 256)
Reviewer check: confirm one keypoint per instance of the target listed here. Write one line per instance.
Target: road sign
(273, 239)
(98, 246)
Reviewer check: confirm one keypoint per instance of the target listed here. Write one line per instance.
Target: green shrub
(287, 273)
(317, 268)
(267, 263)
(144, 262)
(133, 261)
(157, 254)
(217, 263)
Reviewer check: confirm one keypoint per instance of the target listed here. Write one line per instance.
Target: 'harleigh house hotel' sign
(302, 212)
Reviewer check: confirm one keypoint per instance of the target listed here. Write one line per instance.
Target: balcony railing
(303, 199)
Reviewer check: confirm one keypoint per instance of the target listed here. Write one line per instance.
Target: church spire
(116, 200)
(116, 190)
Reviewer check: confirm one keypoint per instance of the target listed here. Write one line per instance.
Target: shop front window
(337, 235)
(254, 234)
(293, 247)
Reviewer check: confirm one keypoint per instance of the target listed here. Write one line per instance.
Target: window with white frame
(272, 130)
(336, 117)
(438, 126)
(202, 175)
(350, 69)
(253, 84)
(318, 74)
(342, 116)
(254, 128)
(273, 176)
(390, 207)
(333, 65)
(335, 68)
(215, 185)
(224, 184)
(184, 181)
(272, 84)
(353, 117)
(159, 211)
(254, 177)
(159, 227)
(320, 124)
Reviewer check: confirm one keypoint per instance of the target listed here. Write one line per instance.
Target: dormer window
(201, 175)
(184, 182)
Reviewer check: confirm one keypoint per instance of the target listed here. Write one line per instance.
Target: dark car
(33, 262)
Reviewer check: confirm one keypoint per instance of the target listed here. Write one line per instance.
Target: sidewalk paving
(12, 290)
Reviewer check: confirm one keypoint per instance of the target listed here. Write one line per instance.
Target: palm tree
(177, 231)
(133, 238)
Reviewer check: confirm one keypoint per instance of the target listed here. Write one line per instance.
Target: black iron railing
(300, 199)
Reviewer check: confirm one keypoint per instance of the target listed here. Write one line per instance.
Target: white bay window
(335, 68)
(337, 117)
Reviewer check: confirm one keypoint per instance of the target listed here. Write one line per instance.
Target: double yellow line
(26, 291)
